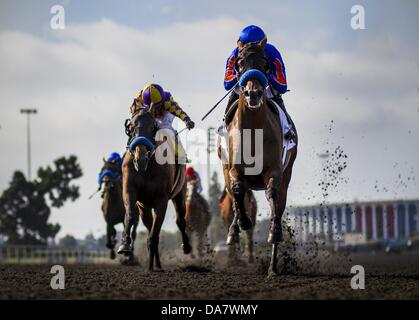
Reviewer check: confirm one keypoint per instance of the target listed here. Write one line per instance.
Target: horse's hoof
(187, 249)
(112, 255)
(245, 223)
(272, 272)
(125, 249)
(275, 236)
(233, 239)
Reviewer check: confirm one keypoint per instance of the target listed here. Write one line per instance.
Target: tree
(68, 241)
(102, 240)
(24, 210)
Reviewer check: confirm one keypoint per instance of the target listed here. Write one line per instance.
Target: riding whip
(91, 196)
(212, 109)
(177, 133)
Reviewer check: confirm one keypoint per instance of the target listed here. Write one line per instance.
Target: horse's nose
(255, 94)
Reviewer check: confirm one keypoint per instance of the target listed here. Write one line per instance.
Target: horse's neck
(114, 192)
(251, 119)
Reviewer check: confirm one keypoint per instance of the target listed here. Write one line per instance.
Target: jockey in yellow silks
(165, 108)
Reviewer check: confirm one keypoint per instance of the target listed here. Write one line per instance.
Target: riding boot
(233, 97)
(291, 133)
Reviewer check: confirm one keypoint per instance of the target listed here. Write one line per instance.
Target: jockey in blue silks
(115, 158)
(277, 76)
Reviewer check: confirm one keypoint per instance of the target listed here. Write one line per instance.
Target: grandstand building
(382, 220)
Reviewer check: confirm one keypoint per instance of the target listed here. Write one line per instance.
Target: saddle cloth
(287, 144)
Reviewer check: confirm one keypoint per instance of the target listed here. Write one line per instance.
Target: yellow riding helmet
(152, 93)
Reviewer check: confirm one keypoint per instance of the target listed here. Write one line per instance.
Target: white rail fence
(43, 254)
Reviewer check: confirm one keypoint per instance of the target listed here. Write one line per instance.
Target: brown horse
(149, 183)
(197, 216)
(227, 215)
(112, 204)
(259, 116)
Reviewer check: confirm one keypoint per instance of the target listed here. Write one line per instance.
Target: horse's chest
(149, 190)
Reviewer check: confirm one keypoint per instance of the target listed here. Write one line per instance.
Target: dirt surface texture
(386, 277)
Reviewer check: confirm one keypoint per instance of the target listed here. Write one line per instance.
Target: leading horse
(148, 185)
(256, 114)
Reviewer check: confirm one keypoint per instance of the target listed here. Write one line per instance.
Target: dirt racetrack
(386, 277)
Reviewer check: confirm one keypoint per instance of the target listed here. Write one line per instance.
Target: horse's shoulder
(231, 112)
(273, 106)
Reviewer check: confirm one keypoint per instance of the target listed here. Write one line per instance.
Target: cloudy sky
(356, 89)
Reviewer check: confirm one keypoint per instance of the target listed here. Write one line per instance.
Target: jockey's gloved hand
(190, 124)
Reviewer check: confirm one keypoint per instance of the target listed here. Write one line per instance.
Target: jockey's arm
(230, 73)
(277, 76)
(173, 107)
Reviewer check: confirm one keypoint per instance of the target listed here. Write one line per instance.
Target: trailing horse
(272, 166)
(112, 204)
(197, 216)
(227, 215)
(148, 185)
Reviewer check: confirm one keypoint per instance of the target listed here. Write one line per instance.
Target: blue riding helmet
(252, 34)
(114, 156)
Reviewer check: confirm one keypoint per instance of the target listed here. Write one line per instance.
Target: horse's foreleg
(272, 195)
(250, 245)
(239, 192)
(147, 218)
(275, 231)
(131, 218)
(201, 235)
(110, 236)
(134, 233)
(179, 204)
(158, 218)
(157, 258)
(240, 216)
(233, 235)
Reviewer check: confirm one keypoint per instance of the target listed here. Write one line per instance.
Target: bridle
(133, 131)
(257, 70)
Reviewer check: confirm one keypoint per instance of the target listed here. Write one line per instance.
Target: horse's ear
(262, 43)
(104, 160)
